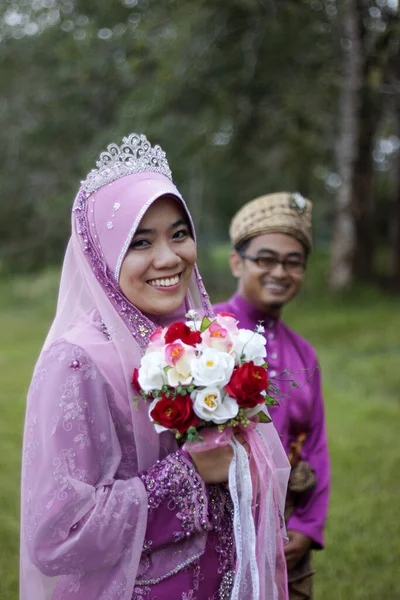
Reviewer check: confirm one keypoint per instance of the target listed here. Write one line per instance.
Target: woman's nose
(166, 257)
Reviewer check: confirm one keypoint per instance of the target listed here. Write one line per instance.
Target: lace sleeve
(77, 516)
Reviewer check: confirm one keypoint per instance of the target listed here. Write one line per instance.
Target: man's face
(266, 284)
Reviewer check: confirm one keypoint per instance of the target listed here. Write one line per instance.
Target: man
(271, 236)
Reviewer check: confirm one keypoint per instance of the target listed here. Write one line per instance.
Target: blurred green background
(246, 97)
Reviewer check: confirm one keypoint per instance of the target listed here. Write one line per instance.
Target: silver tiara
(135, 155)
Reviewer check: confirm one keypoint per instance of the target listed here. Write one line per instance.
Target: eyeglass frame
(277, 261)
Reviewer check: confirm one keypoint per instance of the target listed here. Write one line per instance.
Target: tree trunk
(362, 184)
(344, 228)
(395, 216)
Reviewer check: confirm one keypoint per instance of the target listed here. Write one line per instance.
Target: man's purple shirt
(300, 408)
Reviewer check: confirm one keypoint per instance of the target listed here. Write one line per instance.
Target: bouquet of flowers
(208, 374)
(204, 373)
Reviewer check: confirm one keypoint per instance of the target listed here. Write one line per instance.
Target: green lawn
(357, 337)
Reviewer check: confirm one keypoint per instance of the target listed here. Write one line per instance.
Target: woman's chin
(165, 305)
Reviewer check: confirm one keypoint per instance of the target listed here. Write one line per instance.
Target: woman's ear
(236, 264)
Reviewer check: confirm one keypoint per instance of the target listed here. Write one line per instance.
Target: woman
(110, 509)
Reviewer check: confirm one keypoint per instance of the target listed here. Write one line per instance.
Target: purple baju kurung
(300, 408)
(74, 444)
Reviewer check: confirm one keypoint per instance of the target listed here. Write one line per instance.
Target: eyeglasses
(268, 263)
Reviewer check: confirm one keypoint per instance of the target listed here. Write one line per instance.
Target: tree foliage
(242, 95)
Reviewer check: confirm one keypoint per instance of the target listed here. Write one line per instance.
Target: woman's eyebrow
(144, 231)
(178, 223)
(172, 226)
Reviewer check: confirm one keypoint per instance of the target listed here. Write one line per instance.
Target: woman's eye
(136, 244)
(181, 234)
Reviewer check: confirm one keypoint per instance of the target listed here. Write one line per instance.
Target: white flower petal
(175, 378)
(212, 368)
(211, 405)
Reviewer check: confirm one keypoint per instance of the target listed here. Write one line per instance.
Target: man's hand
(296, 548)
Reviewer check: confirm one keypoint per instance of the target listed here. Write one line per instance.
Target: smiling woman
(110, 508)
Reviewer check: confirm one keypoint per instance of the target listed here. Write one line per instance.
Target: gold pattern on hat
(282, 212)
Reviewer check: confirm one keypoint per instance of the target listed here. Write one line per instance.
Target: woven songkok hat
(274, 213)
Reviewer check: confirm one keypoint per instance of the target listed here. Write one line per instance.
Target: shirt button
(272, 373)
(274, 355)
(271, 336)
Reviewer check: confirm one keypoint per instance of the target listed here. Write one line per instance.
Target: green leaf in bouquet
(193, 435)
(273, 388)
(206, 322)
(270, 400)
(264, 418)
(181, 390)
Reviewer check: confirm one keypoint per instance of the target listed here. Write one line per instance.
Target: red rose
(135, 380)
(247, 383)
(180, 331)
(175, 413)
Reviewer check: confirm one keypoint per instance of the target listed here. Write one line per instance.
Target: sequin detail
(183, 565)
(74, 365)
(220, 500)
(176, 481)
(105, 331)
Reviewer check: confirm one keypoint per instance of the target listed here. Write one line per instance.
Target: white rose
(151, 373)
(251, 346)
(212, 368)
(213, 405)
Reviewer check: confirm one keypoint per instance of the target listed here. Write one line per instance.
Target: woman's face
(156, 270)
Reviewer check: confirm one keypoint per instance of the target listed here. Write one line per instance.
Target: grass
(357, 337)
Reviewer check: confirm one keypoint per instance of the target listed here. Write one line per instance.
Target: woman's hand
(213, 465)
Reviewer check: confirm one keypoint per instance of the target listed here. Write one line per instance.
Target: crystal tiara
(135, 155)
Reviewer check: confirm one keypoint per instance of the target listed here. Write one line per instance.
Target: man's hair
(242, 247)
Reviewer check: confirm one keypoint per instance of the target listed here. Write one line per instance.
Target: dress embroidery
(176, 481)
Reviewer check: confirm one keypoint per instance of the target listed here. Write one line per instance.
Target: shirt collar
(254, 314)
